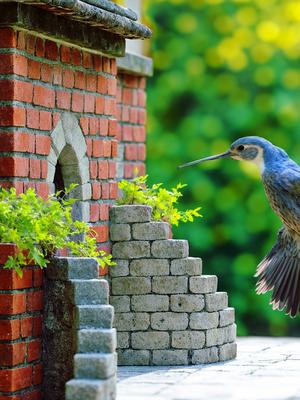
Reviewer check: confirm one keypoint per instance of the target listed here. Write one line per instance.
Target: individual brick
(132, 321)
(216, 301)
(168, 321)
(130, 214)
(204, 320)
(66, 268)
(120, 303)
(186, 266)
(227, 351)
(187, 302)
(94, 316)
(170, 248)
(188, 339)
(150, 231)
(150, 303)
(226, 316)
(169, 284)
(128, 250)
(205, 356)
(220, 336)
(203, 284)
(170, 357)
(90, 291)
(120, 232)
(96, 340)
(133, 357)
(120, 269)
(150, 340)
(94, 366)
(149, 267)
(131, 285)
(122, 340)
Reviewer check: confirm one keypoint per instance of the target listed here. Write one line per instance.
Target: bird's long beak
(222, 155)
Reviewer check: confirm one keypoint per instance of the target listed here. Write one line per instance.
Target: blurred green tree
(225, 69)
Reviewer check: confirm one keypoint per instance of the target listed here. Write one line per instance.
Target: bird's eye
(240, 147)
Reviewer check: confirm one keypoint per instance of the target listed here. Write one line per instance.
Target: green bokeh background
(225, 69)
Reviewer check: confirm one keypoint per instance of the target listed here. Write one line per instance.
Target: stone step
(191, 266)
(91, 389)
(170, 248)
(96, 341)
(89, 292)
(66, 268)
(95, 365)
(130, 213)
(94, 316)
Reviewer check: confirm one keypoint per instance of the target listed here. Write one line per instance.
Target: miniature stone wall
(78, 337)
(166, 311)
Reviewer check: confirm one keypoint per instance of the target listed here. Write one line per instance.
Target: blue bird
(279, 271)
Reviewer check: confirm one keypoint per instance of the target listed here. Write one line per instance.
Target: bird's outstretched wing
(280, 271)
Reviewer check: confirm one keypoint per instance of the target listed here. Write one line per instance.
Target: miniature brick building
(72, 109)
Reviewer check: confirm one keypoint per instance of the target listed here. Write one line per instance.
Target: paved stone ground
(265, 369)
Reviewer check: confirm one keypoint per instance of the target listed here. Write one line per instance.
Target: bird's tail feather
(280, 271)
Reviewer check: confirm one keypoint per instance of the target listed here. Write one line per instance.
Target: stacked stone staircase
(82, 320)
(166, 311)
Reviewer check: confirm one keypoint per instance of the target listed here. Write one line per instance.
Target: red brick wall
(41, 79)
(131, 114)
(21, 303)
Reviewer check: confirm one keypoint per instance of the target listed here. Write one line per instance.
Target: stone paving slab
(265, 369)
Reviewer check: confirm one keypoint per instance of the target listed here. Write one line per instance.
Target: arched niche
(68, 163)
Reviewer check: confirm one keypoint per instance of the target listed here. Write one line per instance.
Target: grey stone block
(89, 292)
(204, 320)
(188, 340)
(169, 284)
(170, 248)
(150, 302)
(187, 302)
(87, 389)
(150, 231)
(120, 303)
(120, 269)
(203, 284)
(170, 357)
(133, 357)
(226, 316)
(122, 340)
(228, 351)
(216, 301)
(129, 250)
(149, 267)
(205, 356)
(66, 268)
(150, 340)
(168, 321)
(131, 285)
(94, 316)
(186, 266)
(94, 365)
(96, 341)
(132, 321)
(119, 232)
(130, 213)
(220, 336)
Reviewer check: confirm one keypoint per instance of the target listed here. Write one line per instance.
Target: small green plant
(162, 201)
(40, 227)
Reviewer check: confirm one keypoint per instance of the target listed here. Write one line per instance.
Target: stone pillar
(78, 337)
(167, 312)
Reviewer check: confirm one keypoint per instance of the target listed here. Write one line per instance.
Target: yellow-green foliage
(39, 228)
(162, 201)
(225, 69)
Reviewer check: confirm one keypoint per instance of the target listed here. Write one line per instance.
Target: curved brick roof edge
(102, 14)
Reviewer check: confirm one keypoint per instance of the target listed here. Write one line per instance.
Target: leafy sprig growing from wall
(162, 201)
(40, 227)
